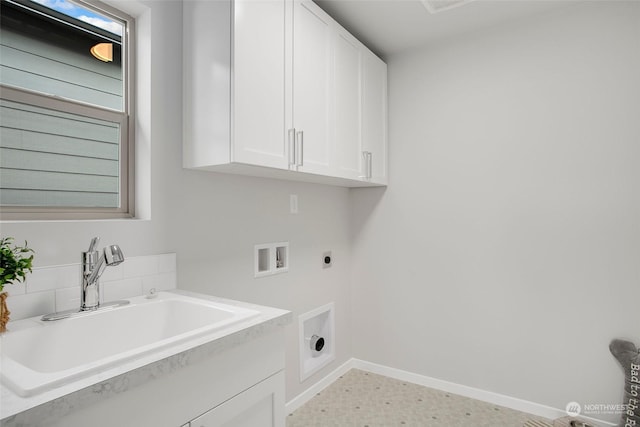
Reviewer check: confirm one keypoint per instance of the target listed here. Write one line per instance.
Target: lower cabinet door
(260, 406)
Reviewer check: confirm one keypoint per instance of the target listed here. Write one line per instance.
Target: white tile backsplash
(31, 304)
(16, 288)
(121, 289)
(141, 266)
(167, 263)
(49, 278)
(67, 298)
(114, 273)
(68, 275)
(40, 279)
(57, 288)
(161, 282)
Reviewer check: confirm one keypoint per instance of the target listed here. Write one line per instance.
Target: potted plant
(15, 263)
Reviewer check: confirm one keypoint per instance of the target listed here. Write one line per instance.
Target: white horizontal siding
(39, 120)
(60, 144)
(56, 181)
(36, 65)
(43, 84)
(9, 197)
(12, 158)
(49, 158)
(57, 53)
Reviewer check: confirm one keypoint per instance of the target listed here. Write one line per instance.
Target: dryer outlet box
(317, 340)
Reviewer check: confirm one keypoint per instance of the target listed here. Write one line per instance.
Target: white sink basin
(48, 354)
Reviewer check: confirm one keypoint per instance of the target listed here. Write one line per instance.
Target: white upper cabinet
(258, 83)
(360, 111)
(277, 88)
(312, 32)
(374, 118)
(239, 116)
(347, 110)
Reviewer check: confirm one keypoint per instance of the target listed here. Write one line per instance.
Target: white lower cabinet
(260, 406)
(239, 385)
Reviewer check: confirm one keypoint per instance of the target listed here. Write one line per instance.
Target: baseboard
(462, 390)
(308, 394)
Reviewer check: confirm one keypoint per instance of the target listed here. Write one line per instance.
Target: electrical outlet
(326, 259)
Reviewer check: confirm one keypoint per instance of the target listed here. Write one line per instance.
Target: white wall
(504, 254)
(212, 221)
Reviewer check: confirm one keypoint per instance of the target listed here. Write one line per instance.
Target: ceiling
(391, 26)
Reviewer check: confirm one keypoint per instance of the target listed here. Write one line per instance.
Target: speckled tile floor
(364, 399)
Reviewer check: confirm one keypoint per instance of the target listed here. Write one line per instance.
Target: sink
(41, 355)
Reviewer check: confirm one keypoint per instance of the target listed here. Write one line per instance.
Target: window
(66, 137)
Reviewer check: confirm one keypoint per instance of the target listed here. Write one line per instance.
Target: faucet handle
(93, 244)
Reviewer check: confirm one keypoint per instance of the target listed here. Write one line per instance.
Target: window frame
(125, 118)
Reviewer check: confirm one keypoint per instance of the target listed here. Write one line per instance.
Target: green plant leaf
(15, 261)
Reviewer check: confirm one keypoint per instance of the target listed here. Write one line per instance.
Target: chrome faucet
(93, 265)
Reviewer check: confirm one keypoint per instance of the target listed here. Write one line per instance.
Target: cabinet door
(348, 54)
(258, 90)
(206, 82)
(260, 406)
(312, 29)
(374, 116)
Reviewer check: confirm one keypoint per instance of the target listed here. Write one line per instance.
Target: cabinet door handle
(299, 148)
(292, 148)
(369, 164)
(366, 165)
